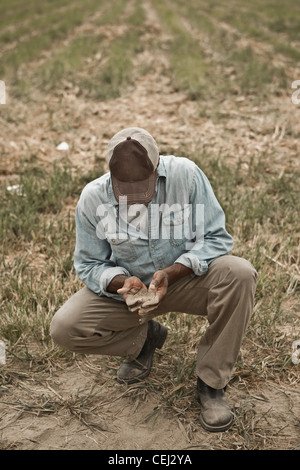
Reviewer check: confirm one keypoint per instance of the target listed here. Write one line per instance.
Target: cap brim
(136, 192)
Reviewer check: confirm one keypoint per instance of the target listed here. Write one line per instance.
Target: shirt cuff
(192, 261)
(107, 276)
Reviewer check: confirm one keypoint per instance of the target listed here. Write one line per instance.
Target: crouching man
(151, 239)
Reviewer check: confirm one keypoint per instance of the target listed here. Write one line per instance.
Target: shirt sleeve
(211, 238)
(92, 258)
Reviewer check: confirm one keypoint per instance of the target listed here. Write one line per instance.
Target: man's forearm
(177, 271)
(116, 283)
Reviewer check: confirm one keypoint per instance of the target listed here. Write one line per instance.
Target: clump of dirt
(142, 302)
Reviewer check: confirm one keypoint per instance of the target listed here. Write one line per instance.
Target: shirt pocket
(122, 248)
(175, 226)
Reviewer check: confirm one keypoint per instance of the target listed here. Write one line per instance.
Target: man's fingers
(134, 308)
(129, 290)
(153, 285)
(123, 290)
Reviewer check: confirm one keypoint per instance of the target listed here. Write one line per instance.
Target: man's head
(133, 158)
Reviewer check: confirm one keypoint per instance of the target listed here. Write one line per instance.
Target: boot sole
(145, 373)
(210, 428)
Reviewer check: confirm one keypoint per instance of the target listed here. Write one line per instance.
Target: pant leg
(90, 324)
(226, 295)
(229, 308)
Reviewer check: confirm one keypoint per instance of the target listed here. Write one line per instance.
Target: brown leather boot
(138, 369)
(215, 415)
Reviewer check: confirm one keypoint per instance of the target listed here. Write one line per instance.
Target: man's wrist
(116, 283)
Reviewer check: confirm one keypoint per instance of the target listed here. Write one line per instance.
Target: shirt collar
(161, 170)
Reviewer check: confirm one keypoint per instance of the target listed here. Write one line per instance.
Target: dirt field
(72, 402)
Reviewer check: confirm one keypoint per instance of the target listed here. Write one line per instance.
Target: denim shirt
(104, 249)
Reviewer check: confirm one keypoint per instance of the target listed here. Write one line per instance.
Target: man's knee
(238, 270)
(243, 271)
(67, 322)
(60, 332)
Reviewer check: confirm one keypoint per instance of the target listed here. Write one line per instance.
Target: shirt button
(113, 240)
(152, 246)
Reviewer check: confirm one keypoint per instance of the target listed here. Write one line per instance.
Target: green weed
(54, 27)
(188, 67)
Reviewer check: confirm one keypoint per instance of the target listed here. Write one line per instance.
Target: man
(150, 239)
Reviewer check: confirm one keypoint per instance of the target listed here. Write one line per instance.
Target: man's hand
(130, 290)
(163, 278)
(159, 284)
(142, 300)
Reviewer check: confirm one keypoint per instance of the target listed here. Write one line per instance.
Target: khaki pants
(90, 324)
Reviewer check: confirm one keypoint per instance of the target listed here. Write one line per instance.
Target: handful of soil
(143, 302)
